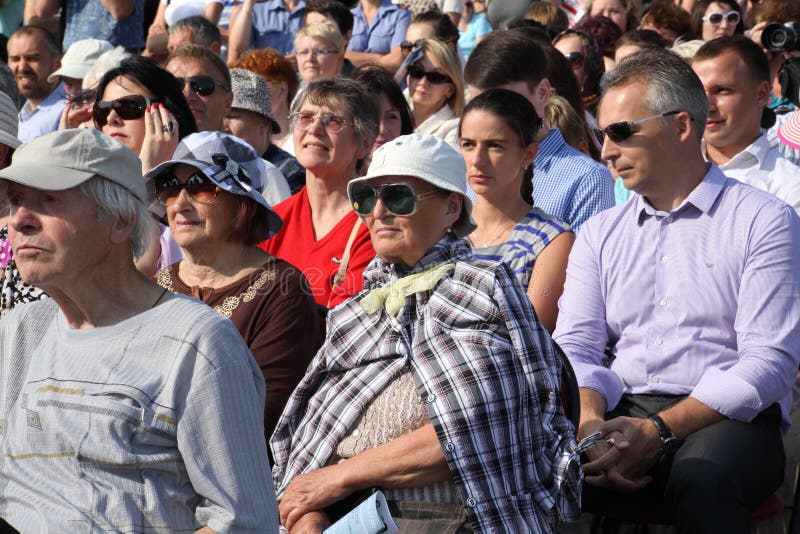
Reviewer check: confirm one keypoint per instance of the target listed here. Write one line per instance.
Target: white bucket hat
(9, 123)
(430, 159)
(79, 58)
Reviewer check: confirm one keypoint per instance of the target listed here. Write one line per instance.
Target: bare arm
(413, 460)
(205, 530)
(42, 9)
(240, 30)
(119, 9)
(547, 280)
(213, 12)
(159, 25)
(389, 62)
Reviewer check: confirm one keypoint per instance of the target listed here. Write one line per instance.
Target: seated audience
(680, 313)
(196, 30)
(432, 25)
(715, 18)
(605, 32)
(586, 59)
(33, 55)
(637, 41)
(735, 74)
(623, 13)
(123, 406)
(210, 192)
(669, 20)
(378, 409)
(319, 49)
(334, 126)
(206, 85)
(498, 142)
(436, 90)
(333, 11)
(379, 27)
(251, 120)
(567, 184)
(472, 28)
(281, 77)
(270, 24)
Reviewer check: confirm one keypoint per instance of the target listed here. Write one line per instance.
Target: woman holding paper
(436, 383)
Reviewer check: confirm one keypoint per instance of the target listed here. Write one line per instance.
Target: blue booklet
(370, 517)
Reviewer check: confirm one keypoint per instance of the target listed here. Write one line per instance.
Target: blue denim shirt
(387, 30)
(44, 119)
(274, 25)
(90, 18)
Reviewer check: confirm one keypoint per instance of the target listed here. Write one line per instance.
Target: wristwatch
(669, 441)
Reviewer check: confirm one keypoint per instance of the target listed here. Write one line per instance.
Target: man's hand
(311, 523)
(311, 491)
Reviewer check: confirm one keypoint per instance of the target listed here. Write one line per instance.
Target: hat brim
(44, 177)
(69, 71)
(274, 221)
(465, 224)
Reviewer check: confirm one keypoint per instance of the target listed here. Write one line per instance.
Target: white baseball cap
(79, 58)
(430, 159)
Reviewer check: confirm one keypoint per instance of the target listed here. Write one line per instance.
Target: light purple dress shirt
(702, 301)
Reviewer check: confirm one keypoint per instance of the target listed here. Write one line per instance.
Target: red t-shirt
(319, 259)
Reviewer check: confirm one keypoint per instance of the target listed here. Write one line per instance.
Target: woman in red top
(334, 125)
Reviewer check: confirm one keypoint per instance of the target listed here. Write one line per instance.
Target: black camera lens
(778, 37)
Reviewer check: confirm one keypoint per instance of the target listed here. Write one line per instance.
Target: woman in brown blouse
(210, 191)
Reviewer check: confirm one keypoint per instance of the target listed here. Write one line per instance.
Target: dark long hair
(160, 83)
(376, 81)
(519, 115)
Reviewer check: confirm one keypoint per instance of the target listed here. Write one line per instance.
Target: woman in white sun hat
(436, 383)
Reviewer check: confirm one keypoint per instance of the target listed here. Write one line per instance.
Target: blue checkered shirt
(487, 372)
(568, 184)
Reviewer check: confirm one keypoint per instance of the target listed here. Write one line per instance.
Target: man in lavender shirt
(694, 287)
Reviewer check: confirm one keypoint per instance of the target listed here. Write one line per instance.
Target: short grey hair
(204, 32)
(671, 84)
(115, 202)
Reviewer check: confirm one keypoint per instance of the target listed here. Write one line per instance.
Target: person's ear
(685, 126)
(120, 230)
(455, 203)
(529, 153)
(763, 94)
(215, 47)
(543, 92)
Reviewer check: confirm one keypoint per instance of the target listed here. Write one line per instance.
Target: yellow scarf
(392, 296)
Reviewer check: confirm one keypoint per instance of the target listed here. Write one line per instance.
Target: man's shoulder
(558, 157)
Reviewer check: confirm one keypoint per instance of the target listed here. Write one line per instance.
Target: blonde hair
(547, 14)
(558, 113)
(327, 31)
(446, 57)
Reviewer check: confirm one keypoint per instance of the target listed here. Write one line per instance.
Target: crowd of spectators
(260, 258)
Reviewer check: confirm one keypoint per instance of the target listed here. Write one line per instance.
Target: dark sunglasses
(436, 78)
(620, 131)
(398, 199)
(201, 85)
(407, 46)
(731, 17)
(198, 187)
(576, 58)
(128, 108)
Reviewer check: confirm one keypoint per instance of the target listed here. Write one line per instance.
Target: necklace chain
(495, 238)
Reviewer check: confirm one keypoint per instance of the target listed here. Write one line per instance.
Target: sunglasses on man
(398, 199)
(620, 131)
(127, 107)
(201, 85)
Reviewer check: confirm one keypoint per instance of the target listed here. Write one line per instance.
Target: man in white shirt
(735, 73)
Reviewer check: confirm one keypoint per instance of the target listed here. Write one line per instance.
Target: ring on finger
(168, 128)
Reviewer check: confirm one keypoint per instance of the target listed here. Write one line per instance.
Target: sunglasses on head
(398, 199)
(436, 78)
(731, 17)
(576, 58)
(620, 131)
(128, 108)
(201, 85)
(198, 187)
(407, 46)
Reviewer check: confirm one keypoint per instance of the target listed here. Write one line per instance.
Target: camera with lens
(778, 37)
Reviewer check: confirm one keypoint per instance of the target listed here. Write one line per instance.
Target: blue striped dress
(528, 238)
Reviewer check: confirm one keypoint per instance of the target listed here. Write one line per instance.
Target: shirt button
(662, 302)
(659, 341)
(664, 259)
(449, 447)
(430, 398)
(669, 219)
(471, 502)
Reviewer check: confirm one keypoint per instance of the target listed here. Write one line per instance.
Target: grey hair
(671, 84)
(204, 32)
(114, 202)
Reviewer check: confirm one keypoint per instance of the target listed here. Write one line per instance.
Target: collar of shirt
(449, 248)
(279, 5)
(386, 7)
(758, 149)
(548, 147)
(702, 197)
(56, 97)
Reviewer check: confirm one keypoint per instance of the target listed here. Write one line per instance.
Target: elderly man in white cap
(251, 120)
(124, 408)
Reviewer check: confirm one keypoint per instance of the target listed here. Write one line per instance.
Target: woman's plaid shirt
(487, 372)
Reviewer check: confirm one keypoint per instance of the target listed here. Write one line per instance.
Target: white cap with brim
(430, 159)
(67, 158)
(79, 58)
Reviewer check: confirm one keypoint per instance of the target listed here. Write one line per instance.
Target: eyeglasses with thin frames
(620, 131)
(308, 52)
(303, 121)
